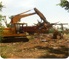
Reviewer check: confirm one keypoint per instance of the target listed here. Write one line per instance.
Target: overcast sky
(49, 8)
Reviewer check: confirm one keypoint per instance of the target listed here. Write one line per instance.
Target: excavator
(19, 30)
(40, 27)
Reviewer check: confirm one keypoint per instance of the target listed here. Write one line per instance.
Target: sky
(49, 8)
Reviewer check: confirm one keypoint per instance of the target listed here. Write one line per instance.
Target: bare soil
(39, 46)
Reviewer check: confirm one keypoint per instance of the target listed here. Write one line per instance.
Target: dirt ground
(38, 46)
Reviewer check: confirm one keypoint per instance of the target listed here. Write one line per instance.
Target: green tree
(1, 28)
(1, 6)
(64, 4)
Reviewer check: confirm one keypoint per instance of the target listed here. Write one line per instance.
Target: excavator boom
(16, 18)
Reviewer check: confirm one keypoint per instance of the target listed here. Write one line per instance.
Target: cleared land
(38, 46)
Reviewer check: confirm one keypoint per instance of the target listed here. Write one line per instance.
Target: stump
(57, 34)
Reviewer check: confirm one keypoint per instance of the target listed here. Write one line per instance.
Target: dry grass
(36, 48)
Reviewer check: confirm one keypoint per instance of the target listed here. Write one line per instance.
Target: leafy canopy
(1, 6)
(64, 4)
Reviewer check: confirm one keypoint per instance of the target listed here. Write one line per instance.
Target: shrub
(1, 30)
(51, 30)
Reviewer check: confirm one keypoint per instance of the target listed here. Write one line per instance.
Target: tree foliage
(1, 6)
(64, 4)
(1, 28)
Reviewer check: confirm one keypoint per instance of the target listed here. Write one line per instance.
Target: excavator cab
(19, 27)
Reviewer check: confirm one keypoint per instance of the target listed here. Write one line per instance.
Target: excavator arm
(41, 15)
(16, 18)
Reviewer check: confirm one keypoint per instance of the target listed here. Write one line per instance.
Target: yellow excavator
(19, 30)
